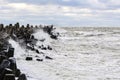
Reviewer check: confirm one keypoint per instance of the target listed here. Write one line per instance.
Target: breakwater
(8, 65)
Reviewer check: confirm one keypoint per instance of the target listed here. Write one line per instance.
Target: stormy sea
(78, 53)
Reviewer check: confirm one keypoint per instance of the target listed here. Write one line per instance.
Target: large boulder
(22, 77)
(10, 52)
(13, 65)
(4, 72)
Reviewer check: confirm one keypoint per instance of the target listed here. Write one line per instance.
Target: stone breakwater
(8, 65)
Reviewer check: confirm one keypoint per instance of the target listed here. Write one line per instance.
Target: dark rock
(36, 56)
(10, 52)
(22, 77)
(17, 73)
(5, 71)
(47, 57)
(39, 46)
(44, 48)
(32, 37)
(13, 65)
(9, 77)
(5, 47)
(39, 59)
(53, 36)
(28, 47)
(1, 27)
(29, 58)
(2, 57)
(28, 40)
(4, 64)
(8, 71)
(49, 48)
(32, 48)
(37, 51)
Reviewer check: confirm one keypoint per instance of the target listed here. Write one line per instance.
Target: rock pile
(49, 30)
(8, 67)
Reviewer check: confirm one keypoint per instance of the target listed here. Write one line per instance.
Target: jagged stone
(22, 77)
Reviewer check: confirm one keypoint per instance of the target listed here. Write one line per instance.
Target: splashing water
(79, 54)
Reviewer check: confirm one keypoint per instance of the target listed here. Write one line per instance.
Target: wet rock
(30, 48)
(1, 27)
(3, 53)
(44, 48)
(13, 65)
(17, 73)
(10, 52)
(49, 48)
(22, 77)
(29, 59)
(5, 47)
(28, 40)
(2, 57)
(33, 49)
(37, 51)
(9, 77)
(53, 36)
(4, 64)
(39, 59)
(8, 71)
(47, 57)
(37, 56)
(39, 46)
(5, 71)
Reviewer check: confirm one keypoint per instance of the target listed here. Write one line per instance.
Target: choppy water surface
(80, 54)
(89, 54)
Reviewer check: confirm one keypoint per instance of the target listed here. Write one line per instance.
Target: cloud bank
(61, 12)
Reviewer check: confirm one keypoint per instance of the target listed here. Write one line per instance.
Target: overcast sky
(61, 12)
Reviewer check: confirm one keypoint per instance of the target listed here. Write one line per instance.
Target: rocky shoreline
(24, 36)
